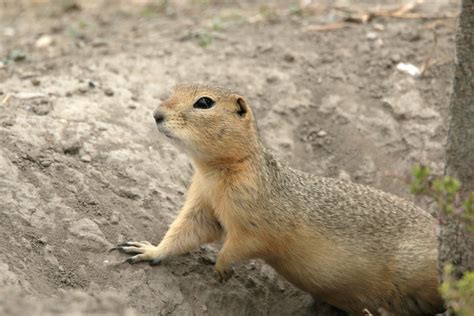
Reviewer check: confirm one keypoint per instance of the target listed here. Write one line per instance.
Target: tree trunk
(456, 243)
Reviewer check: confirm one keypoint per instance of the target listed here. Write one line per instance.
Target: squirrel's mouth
(166, 132)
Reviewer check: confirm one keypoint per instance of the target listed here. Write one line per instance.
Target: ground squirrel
(347, 244)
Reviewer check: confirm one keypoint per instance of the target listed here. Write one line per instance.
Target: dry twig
(357, 15)
(326, 27)
(428, 61)
(6, 98)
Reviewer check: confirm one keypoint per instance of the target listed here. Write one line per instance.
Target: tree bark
(456, 243)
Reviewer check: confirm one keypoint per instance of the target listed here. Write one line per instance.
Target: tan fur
(350, 245)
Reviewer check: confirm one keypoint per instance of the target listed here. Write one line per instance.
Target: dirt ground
(82, 166)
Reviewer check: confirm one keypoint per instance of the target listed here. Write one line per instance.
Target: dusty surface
(82, 166)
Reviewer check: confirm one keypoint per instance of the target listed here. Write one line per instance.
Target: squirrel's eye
(203, 103)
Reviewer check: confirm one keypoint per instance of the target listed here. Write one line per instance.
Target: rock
(264, 48)
(321, 133)
(272, 79)
(9, 31)
(371, 36)
(344, 175)
(410, 35)
(7, 277)
(289, 58)
(86, 158)
(41, 108)
(363, 47)
(379, 27)
(129, 193)
(8, 171)
(45, 162)
(44, 41)
(98, 43)
(114, 219)
(410, 69)
(72, 148)
(49, 256)
(87, 235)
(367, 171)
(330, 104)
(108, 92)
(395, 58)
(409, 105)
(29, 95)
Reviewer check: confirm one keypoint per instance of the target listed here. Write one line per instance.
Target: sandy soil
(82, 166)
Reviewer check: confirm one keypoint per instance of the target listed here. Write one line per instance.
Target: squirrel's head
(209, 123)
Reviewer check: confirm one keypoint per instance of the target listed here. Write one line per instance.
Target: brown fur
(347, 244)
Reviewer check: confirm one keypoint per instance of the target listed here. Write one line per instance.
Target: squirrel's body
(349, 245)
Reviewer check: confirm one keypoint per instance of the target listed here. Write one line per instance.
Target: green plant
(447, 192)
(459, 294)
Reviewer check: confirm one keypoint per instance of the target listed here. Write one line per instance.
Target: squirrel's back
(356, 246)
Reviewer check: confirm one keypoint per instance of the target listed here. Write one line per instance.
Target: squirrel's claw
(224, 275)
(142, 251)
(155, 261)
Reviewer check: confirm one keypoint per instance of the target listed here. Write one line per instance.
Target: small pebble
(289, 58)
(86, 158)
(379, 27)
(395, 58)
(9, 31)
(72, 148)
(45, 163)
(109, 92)
(344, 175)
(82, 90)
(371, 36)
(272, 79)
(114, 219)
(322, 133)
(99, 43)
(44, 41)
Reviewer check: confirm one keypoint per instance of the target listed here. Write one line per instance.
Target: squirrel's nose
(158, 116)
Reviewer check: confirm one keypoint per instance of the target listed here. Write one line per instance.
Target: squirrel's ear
(242, 106)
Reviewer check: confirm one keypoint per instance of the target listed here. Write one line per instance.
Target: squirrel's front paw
(143, 251)
(224, 274)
